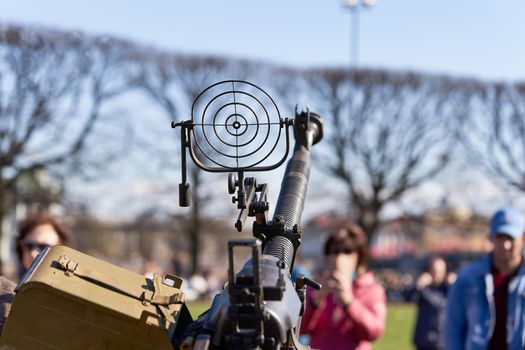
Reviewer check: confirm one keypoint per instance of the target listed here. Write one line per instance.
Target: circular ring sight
(236, 127)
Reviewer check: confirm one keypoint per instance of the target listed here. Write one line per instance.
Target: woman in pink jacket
(349, 312)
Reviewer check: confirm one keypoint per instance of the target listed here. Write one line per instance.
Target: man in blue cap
(486, 306)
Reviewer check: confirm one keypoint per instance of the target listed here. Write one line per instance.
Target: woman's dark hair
(39, 219)
(348, 239)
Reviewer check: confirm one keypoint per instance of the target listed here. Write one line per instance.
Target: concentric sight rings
(236, 126)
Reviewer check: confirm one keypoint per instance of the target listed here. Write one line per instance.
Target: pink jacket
(334, 327)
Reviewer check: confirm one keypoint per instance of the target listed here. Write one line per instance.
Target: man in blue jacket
(486, 306)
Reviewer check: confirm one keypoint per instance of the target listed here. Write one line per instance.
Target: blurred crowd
(477, 307)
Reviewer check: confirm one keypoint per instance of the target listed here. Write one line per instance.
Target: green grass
(399, 325)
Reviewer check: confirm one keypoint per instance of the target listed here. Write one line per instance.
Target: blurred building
(152, 240)
(441, 231)
(402, 243)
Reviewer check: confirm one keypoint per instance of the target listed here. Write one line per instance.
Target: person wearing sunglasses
(349, 312)
(36, 233)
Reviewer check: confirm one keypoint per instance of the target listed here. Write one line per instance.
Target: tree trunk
(3, 210)
(368, 217)
(369, 222)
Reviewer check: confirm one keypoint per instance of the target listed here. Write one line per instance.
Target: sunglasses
(30, 246)
(338, 251)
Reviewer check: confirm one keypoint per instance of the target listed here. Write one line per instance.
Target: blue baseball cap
(507, 221)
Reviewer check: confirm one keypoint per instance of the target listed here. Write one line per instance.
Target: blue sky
(476, 38)
(472, 38)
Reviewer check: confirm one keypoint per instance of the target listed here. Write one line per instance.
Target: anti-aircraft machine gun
(236, 127)
(70, 300)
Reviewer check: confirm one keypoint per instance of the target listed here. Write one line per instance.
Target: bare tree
(494, 131)
(386, 134)
(53, 86)
(174, 82)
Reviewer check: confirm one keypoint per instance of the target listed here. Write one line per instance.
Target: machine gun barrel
(308, 131)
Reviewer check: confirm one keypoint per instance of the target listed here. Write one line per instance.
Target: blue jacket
(470, 312)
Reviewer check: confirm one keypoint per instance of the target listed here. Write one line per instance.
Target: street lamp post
(355, 6)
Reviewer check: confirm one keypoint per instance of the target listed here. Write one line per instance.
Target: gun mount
(236, 127)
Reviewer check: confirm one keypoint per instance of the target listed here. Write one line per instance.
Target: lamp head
(354, 3)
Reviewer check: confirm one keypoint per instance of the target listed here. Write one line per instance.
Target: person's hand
(423, 281)
(341, 287)
(451, 278)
